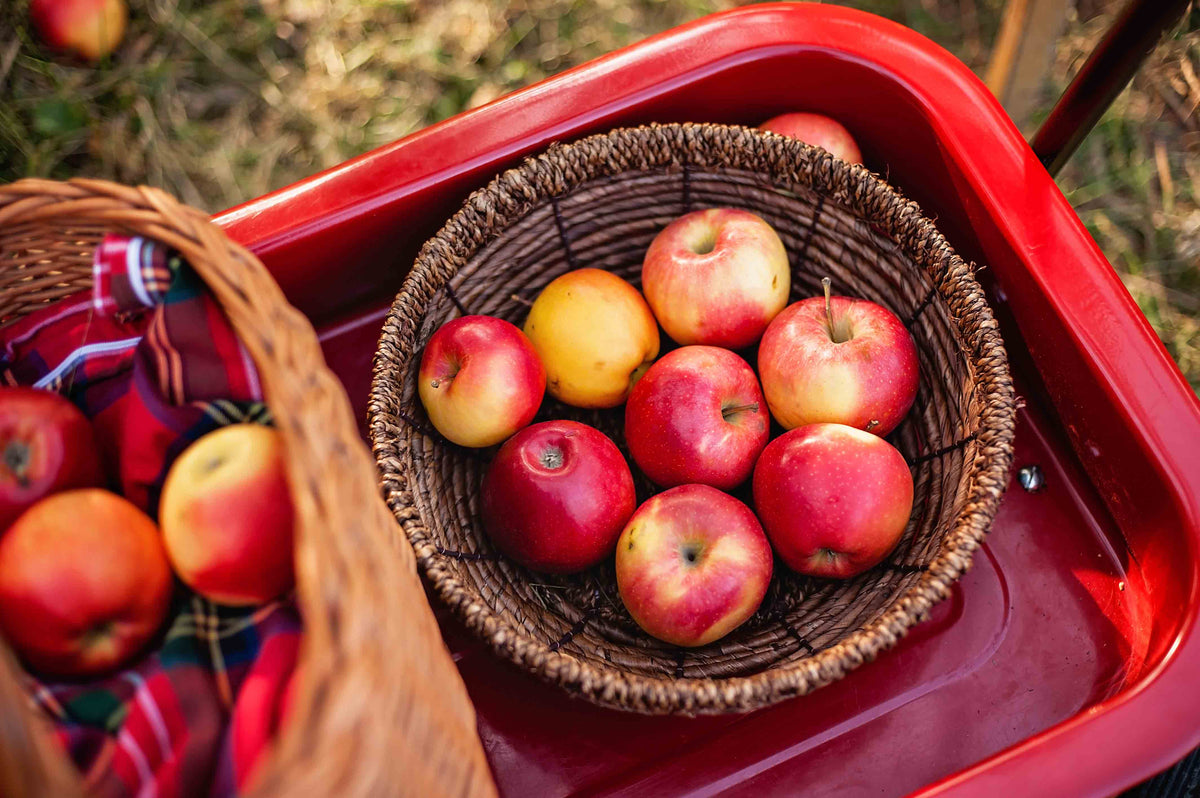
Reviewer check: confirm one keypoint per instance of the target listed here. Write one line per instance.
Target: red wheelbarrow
(1067, 661)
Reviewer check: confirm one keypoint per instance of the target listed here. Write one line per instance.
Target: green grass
(220, 101)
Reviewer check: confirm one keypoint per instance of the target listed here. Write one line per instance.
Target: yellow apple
(595, 335)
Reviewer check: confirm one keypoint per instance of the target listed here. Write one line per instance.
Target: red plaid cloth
(151, 359)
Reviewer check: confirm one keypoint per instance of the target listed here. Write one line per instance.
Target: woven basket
(380, 708)
(600, 202)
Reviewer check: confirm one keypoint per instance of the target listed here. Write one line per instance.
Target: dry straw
(599, 202)
(380, 708)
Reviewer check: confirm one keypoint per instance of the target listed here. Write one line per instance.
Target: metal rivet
(1031, 478)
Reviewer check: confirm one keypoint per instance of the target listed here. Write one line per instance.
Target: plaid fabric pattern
(178, 723)
(151, 360)
(131, 272)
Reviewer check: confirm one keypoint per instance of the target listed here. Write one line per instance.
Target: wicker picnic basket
(599, 202)
(380, 708)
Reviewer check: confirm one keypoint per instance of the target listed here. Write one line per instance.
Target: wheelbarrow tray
(1067, 661)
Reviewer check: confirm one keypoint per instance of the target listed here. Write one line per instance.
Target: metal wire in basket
(599, 202)
(380, 708)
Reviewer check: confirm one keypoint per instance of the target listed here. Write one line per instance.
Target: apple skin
(817, 131)
(834, 500)
(46, 446)
(91, 29)
(868, 382)
(480, 380)
(596, 336)
(264, 700)
(716, 277)
(227, 517)
(693, 564)
(697, 416)
(84, 583)
(556, 497)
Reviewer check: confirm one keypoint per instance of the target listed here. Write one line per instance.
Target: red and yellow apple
(697, 416)
(716, 277)
(84, 583)
(693, 564)
(556, 497)
(227, 517)
(834, 500)
(91, 29)
(817, 131)
(838, 360)
(596, 336)
(46, 446)
(480, 380)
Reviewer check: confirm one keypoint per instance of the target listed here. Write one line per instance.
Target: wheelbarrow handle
(1107, 71)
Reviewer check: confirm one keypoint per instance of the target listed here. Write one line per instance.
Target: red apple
(46, 445)
(838, 360)
(480, 380)
(692, 565)
(556, 496)
(91, 29)
(697, 415)
(834, 500)
(84, 583)
(716, 277)
(817, 131)
(263, 701)
(227, 517)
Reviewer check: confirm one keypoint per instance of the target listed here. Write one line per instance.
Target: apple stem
(729, 412)
(16, 458)
(552, 458)
(96, 634)
(835, 334)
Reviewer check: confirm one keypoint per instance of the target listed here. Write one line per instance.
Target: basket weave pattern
(379, 709)
(599, 202)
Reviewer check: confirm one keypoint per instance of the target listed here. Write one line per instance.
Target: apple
(84, 583)
(596, 336)
(716, 277)
(91, 29)
(817, 131)
(692, 565)
(834, 500)
(227, 517)
(556, 497)
(46, 446)
(264, 700)
(840, 360)
(697, 415)
(480, 380)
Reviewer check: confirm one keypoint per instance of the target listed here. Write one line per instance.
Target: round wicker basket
(380, 708)
(599, 202)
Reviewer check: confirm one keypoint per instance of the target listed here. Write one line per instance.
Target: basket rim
(702, 146)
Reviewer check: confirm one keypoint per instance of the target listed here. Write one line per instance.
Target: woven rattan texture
(599, 202)
(380, 708)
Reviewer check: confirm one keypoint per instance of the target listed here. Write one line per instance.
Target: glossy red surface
(1066, 662)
